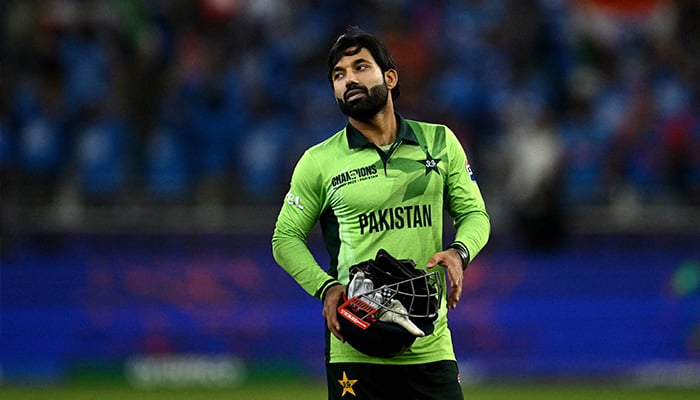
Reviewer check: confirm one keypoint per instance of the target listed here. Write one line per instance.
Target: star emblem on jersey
(347, 385)
(430, 163)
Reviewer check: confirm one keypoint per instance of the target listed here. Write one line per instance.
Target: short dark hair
(357, 39)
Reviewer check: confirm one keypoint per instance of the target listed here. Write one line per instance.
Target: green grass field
(287, 390)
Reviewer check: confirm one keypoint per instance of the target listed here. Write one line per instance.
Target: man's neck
(381, 129)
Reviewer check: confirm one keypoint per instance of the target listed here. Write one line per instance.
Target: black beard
(365, 108)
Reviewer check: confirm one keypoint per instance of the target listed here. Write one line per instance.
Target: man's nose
(350, 78)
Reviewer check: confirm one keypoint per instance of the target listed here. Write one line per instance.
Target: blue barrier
(81, 299)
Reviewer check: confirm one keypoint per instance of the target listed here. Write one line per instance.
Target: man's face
(359, 85)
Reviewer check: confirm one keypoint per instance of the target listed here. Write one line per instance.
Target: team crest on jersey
(347, 385)
(353, 176)
(430, 163)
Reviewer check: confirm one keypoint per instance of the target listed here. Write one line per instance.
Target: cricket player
(383, 181)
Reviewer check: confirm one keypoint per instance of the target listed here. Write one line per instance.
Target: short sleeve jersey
(366, 198)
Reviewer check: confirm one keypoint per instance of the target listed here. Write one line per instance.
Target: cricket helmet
(389, 303)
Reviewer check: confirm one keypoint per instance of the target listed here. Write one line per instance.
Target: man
(382, 182)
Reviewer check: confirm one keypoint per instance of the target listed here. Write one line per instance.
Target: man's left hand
(452, 262)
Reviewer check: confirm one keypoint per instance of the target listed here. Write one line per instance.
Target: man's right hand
(330, 306)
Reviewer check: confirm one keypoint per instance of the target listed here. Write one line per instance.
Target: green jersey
(366, 198)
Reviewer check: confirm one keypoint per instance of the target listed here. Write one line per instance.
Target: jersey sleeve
(464, 201)
(299, 213)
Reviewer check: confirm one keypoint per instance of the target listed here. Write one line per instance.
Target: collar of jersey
(357, 139)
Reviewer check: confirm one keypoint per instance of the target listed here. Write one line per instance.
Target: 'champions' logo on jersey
(354, 176)
(416, 216)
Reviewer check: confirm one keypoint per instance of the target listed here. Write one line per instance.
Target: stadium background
(145, 147)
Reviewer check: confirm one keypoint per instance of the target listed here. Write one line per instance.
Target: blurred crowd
(558, 103)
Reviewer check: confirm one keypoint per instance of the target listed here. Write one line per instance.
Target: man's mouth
(354, 94)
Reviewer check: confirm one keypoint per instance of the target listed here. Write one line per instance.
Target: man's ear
(391, 76)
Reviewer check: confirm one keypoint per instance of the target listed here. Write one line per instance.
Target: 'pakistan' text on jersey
(365, 199)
